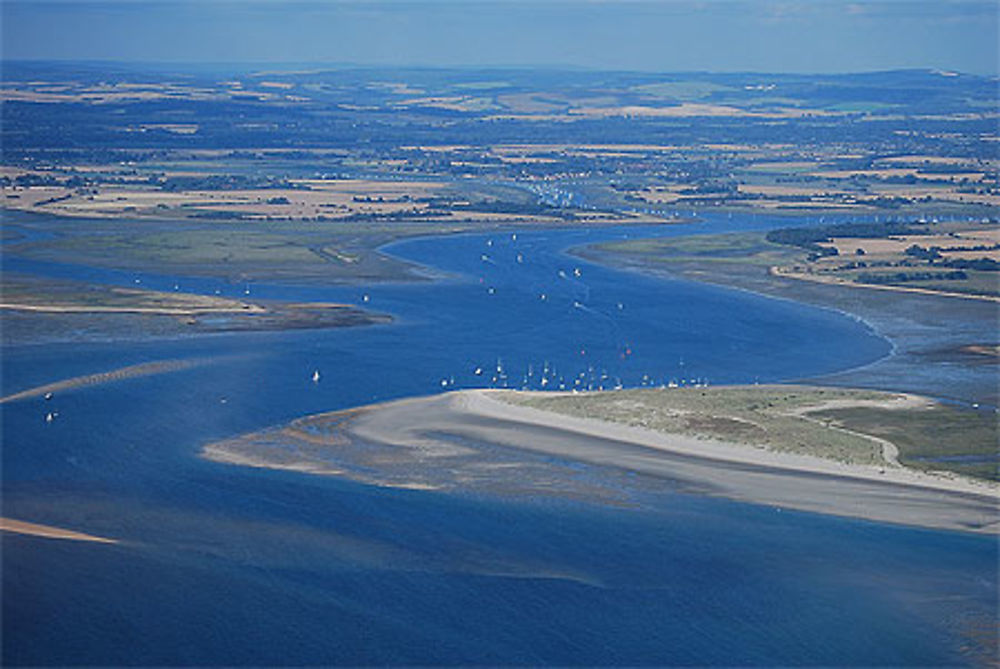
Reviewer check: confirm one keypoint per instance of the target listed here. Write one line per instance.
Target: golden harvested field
(25, 198)
(943, 193)
(693, 109)
(589, 148)
(785, 190)
(526, 160)
(13, 172)
(897, 172)
(926, 159)
(897, 245)
(452, 103)
(782, 167)
(106, 93)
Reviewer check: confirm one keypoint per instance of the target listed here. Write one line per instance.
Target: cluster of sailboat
(547, 377)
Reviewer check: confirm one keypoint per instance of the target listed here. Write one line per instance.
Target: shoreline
(610, 260)
(474, 441)
(918, 326)
(778, 271)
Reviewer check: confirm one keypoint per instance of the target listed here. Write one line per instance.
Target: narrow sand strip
(49, 532)
(834, 281)
(160, 311)
(469, 440)
(120, 374)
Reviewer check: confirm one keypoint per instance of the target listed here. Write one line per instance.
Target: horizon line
(320, 66)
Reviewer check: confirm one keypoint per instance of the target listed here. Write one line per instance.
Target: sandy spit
(433, 439)
(716, 468)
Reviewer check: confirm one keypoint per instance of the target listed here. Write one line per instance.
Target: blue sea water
(220, 564)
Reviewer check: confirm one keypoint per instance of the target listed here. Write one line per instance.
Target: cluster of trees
(978, 264)
(809, 238)
(933, 256)
(180, 184)
(903, 277)
(917, 251)
(27, 180)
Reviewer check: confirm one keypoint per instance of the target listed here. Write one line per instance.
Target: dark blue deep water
(220, 564)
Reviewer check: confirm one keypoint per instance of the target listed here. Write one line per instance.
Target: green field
(938, 437)
(238, 252)
(744, 248)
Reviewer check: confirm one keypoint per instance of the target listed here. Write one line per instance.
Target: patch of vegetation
(244, 252)
(809, 238)
(763, 416)
(749, 247)
(907, 277)
(939, 437)
(806, 420)
(976, 283)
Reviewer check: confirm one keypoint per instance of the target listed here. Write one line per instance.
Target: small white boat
(315, 376)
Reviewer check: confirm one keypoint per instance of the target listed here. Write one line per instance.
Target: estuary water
(220, 564)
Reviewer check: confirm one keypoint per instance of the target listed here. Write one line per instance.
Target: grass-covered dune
(861, 427)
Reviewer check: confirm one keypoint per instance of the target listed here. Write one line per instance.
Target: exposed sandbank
(162, 311)
(120, 374)
(474, 441)
(49, 532)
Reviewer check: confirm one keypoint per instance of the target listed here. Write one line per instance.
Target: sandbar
(474, 441)
(119, 374)
(49, 532)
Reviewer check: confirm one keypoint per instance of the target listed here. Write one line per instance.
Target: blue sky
(659, 35)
